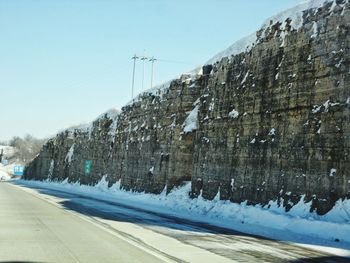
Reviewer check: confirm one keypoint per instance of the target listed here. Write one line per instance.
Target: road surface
(45, 225)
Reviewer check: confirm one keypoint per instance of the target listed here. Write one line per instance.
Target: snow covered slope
(87, 127)
(295, 14)
(8, 150)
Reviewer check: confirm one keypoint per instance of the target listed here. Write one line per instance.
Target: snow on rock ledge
(191, 122)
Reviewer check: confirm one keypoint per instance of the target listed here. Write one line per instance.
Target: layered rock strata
(269, 123)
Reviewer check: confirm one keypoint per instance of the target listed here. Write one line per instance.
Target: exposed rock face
(272, 123)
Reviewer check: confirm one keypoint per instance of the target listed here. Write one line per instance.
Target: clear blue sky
(64, 62)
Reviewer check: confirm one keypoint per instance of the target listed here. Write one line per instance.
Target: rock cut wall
(270, 123)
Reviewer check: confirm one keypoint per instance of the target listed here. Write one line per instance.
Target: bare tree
(4, 143)
(26, 148)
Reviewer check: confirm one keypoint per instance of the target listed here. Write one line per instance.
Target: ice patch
(70, 154)
(151, 170)
(52, 166)
(245, 78)
(333, 172)
(326, 105)
(314, 30)
(272, 132)
(233, 114)
(191, 121)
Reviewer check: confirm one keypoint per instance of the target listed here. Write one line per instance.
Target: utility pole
(143, 58)
(152, 59)
(133, 76)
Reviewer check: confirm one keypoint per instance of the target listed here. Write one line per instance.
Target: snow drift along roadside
(297, 225)
(4, 176)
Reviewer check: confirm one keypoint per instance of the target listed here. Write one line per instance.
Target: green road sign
(87, 166)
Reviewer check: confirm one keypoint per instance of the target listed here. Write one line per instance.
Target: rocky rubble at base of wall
(271, 123)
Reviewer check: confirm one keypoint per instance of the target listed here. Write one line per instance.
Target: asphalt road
(33, 230)
(47, 225)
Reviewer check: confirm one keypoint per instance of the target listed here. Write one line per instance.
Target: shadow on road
(127, 213)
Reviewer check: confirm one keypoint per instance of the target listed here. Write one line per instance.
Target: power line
(151, 59)
(174, 61)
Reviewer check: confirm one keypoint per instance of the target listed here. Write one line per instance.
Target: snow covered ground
(4, 176)
(8, 169)
(7, 150)
(330, 232)
(4, 173)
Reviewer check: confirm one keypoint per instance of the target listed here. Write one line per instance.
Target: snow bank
(4, 176)
(298, 225)
(9, 168)
(242, 45)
